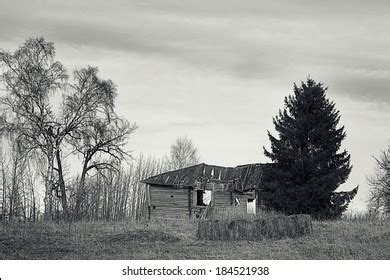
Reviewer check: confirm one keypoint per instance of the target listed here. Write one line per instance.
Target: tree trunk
(61, 182)
(48, 200)
(4, 201)
(80, 189)
(14, 192)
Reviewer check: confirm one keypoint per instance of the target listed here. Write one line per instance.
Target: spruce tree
(307, 165)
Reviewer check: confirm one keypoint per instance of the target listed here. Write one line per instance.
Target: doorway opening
(251, 206)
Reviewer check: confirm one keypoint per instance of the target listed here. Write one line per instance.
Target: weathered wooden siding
(222, 202)
(168, 202)
(222, 199)
(173, 202)
(225, 203)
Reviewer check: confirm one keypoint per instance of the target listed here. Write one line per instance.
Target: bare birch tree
(31, 77)
(183, 154)
(379, 182)
(101, 143)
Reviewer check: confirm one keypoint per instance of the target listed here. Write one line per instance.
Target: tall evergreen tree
(307, 164)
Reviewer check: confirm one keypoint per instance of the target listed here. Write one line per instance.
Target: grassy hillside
(343, 239)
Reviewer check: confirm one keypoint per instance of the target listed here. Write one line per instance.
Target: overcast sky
(218, 70)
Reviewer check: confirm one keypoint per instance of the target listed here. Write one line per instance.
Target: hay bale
(277, 227)
(212, 230)
(274, 227)
(219, 230)
(204, 228)
(257, 230)
(240, 229)
(282, 226)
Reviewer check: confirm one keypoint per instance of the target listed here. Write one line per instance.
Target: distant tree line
(19, 198)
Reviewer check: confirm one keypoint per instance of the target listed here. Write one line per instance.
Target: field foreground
(176, 239)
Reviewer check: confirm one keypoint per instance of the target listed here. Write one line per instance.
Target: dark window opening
(203, 198)
(199, 198)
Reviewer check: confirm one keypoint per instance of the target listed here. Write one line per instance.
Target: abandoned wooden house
(203, 190)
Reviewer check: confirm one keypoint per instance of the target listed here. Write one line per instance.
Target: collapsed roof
(242, 177)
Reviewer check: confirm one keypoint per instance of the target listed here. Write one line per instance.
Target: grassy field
(170, 239)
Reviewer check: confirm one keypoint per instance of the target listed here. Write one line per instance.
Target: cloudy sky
(218, 70)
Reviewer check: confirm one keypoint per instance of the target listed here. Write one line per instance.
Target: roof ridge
(170, 171)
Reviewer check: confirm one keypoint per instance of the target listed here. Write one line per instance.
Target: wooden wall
(225, 203)
(168, 202)
(178, 203)
(222, 199)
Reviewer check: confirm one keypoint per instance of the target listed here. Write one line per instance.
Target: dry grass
(176, 239)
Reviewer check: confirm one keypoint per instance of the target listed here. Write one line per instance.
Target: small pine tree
(307, 165)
